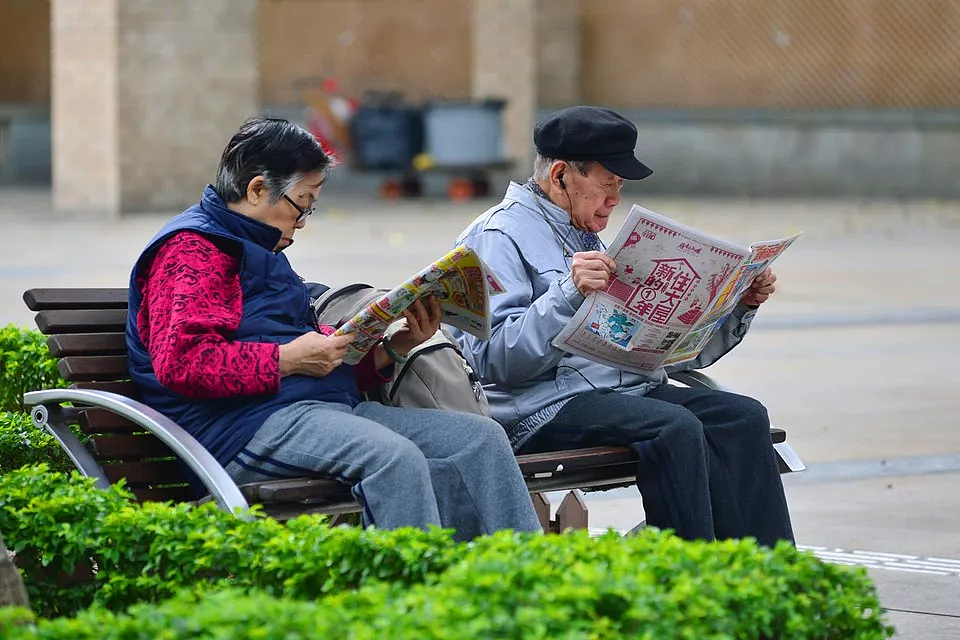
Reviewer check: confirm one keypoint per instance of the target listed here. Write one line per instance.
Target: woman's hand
(313, 354)
(423, 320)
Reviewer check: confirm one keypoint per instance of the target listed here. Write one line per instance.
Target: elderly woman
(222, 339)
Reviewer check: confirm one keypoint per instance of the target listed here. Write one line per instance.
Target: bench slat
(284, 511)
(94, 298)
(82, 321)
(153, 473)
(607, 477)
(294, 490)
(534, 463)
(93, 368)
(164, 494)
(127, 447)
(94, 421)
(62, 345)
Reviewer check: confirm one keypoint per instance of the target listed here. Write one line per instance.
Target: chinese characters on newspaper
(673, 288)
(460, 281)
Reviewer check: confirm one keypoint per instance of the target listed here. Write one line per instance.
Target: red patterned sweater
(192, 300)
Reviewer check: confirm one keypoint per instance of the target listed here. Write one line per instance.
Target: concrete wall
(419, 47)
(25, 47)
(816, 92)
(866, 154)
(798, 54)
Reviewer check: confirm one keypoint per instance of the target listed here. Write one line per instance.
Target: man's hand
(591, 271)
(422, 322)
(313, 354)
(760, 289)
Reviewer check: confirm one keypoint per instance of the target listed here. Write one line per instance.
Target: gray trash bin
(464, 133)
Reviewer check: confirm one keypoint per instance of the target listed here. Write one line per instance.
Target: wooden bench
(156, 457)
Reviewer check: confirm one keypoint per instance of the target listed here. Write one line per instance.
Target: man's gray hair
(542, 165)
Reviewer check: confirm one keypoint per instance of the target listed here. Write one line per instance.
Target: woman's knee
(484, 433)
(401, 453)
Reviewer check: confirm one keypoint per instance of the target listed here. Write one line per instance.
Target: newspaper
(673, 288)
(460, 281)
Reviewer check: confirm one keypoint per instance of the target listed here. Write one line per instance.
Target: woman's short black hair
(277, 149)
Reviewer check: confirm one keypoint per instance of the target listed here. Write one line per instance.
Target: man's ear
(557, 172)
(256, 190)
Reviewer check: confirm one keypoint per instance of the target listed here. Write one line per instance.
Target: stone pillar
(504, 66)
(527, 52)
(145, 95)
(558, 53)
(83, 113)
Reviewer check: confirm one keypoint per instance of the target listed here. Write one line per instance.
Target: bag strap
(323, 301)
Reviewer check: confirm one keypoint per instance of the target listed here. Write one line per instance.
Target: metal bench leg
(637, 529)
(542, 506)
(55, 419)
(572, 512)
(787, 458)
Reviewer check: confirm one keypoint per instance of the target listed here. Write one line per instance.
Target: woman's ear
(256, 190)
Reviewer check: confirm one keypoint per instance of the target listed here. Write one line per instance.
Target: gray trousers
(407, 467)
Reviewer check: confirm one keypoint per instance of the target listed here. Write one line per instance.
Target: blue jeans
(407, 467)
(707, 466)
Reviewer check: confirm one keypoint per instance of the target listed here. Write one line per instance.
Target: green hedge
(22, 444)
(60, 526)
(259, 579)
(653, 586)
(25, 365)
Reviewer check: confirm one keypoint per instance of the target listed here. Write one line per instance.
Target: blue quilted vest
(276, 308)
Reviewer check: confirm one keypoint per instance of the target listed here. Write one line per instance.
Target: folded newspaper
(672, 290)
(461, 282)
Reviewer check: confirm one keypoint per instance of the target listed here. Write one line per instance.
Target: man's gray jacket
(528, 242)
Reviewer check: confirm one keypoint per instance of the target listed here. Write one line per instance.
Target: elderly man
(707, 466)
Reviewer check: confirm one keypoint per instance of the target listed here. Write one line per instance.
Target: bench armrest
(47, 414)
(787, 458)
(695, 378)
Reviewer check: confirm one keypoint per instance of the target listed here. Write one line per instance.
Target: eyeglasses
(305, 212)
(609, 189)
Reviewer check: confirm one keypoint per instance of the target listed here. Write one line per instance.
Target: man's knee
(682, 425)
(746, 415)
(750, 411)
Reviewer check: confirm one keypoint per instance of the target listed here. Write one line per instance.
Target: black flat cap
(591, 134)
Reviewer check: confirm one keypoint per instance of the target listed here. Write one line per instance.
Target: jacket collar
(239, 225)
(525, 196)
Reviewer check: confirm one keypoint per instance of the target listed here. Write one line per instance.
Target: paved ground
(854, 356)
